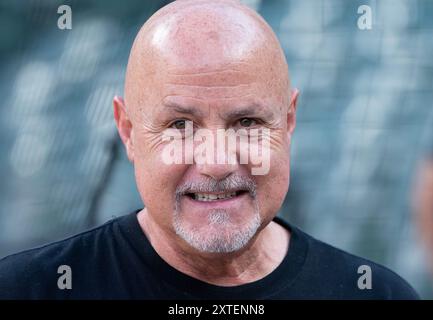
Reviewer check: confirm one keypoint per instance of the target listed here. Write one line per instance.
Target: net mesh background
(364, 110)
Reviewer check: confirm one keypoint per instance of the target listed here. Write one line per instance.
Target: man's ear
(124, 126)
(291, 114)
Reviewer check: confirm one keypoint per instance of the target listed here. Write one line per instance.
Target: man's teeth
(213, 197)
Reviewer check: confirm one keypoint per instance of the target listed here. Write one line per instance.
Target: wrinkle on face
(223, 77)
(205, 92)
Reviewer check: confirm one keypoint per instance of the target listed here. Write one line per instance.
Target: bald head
(202, 36)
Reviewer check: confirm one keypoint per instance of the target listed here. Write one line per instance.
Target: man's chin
(218, 235)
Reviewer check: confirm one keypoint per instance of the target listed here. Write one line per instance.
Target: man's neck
(265, 252)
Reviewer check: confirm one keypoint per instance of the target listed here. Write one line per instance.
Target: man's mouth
(207, 197)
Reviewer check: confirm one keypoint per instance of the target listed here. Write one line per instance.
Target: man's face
(223, 84)
(181, 197)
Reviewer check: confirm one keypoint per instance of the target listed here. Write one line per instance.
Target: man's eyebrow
(183, 109)
(249, 111)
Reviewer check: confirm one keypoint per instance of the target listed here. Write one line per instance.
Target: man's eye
(179, 124)
(247, 122)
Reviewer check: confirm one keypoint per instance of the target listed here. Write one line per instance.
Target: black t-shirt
(116, 261)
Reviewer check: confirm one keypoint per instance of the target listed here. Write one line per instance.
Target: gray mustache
(232, 182)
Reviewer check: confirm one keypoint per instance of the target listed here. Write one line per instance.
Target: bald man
(207, 123)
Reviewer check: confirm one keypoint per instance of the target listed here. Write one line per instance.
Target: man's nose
(220, 161)
(217, 171)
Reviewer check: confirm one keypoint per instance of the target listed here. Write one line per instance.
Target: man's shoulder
(23, 274)
(357, 276)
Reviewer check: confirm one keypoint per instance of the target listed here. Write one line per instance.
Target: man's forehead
(229, 82)
(224, 75)
(202, 34)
